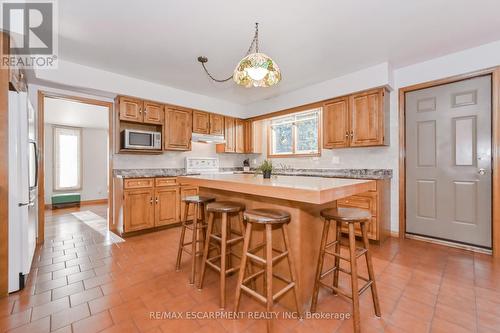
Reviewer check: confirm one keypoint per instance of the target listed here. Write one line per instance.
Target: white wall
(94, 164)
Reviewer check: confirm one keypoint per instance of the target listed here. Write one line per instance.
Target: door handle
(22, 204)
(156, 200)
(151, 201)
(481, 171)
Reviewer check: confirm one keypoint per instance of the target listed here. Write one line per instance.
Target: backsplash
(176, 159)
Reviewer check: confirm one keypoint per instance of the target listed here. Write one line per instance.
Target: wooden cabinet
(166, 205)
(378, 203)
(239, 136)
(336, 123)
(148, 203)
(201, 122)
(216, 124)
(367, 119)
(153, 113)
(130, 109)
(358, 120)
(242, 136)
(253, 136)
(177, 129)
(229, 136)
(138, 209)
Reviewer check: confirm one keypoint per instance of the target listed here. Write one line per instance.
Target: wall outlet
(335, 160)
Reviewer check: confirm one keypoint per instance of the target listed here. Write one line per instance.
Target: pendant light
(256, 69)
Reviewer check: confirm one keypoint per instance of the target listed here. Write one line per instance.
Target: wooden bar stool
(349, 216)
(271, 219)
(223, 241)
(197, 227)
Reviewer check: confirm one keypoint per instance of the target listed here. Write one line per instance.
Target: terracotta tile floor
(86, 280)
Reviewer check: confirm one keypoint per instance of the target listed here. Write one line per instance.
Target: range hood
(207, 138)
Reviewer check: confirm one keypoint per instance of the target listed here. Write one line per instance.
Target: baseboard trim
(449, 244)
(94, 202)
(84, 203)
(394, 234)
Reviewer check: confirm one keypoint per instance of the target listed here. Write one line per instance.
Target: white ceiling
(69, 113)
(311, 41)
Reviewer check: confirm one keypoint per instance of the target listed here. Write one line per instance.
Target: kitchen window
(67, 158)
(296, 134)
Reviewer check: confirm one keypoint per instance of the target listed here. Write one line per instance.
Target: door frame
(41, 153)
(495, 151)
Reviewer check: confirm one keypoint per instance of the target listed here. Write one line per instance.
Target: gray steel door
(448, 161)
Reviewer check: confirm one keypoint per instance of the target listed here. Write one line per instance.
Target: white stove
(203, 165)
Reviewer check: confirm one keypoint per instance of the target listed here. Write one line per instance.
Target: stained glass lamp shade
(257, 70)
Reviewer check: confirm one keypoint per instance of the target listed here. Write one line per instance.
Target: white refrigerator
(23, 175)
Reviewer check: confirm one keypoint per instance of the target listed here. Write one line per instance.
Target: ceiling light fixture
(254, 70)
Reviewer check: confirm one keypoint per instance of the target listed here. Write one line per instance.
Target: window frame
(270, 154)
(55, 157)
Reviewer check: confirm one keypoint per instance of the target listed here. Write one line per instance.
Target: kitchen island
(303, 197)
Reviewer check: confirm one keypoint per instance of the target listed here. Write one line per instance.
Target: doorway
(448, 162)
(75, 153)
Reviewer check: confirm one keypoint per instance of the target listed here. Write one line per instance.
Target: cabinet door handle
(151, 201)
(156, 200)
(352, 134)
(347, 134)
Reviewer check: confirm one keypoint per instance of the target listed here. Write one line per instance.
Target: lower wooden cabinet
(138, 209)
(146, 203)
(378, 203)
(166, 205)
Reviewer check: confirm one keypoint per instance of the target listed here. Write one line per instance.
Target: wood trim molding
(41, 168)
(4, 170)
(320, 141)
(495, 74)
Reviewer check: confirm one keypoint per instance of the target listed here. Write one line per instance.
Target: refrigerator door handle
(35, 150)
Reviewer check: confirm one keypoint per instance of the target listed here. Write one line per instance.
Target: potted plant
(266, 168)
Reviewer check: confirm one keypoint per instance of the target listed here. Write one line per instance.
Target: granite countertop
(316, 190)
(326, 173)
(337, 173)
(148, 173)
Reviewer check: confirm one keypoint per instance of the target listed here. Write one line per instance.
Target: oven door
(139, 139)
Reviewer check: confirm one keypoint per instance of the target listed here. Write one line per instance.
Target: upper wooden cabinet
(336, 123)
(253, 137)
(201, 122)
(242, 136)
(153, 113)
(216, 124)
(229, 136)
(178, 128)
(239, 136)
(208, 123)
(367, 119)
(358, 120)
(130, 109)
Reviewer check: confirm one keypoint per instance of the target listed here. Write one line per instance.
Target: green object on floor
(63, 199)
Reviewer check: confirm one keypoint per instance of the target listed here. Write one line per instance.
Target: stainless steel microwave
(136, 139)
